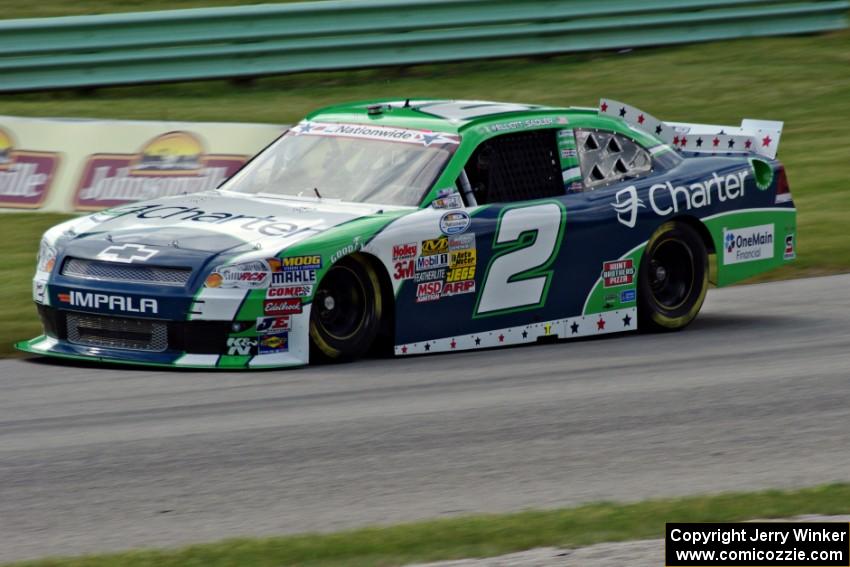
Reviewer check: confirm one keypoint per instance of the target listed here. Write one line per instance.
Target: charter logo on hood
(170, 164)
(25, 176)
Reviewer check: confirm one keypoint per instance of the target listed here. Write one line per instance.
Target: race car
(421, 226)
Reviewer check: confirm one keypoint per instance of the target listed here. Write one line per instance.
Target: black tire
(346, 314)
(673, 278)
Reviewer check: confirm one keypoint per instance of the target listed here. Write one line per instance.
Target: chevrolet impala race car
(414, 227)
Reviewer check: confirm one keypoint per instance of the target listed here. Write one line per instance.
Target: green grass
(802, 80)
(10, 9)
(481, 536)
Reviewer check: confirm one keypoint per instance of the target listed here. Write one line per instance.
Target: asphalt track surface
(755, 394)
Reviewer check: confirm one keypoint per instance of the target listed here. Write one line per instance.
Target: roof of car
(438, 115)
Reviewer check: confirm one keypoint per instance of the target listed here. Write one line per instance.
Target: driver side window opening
(606, 157)
(516, 167)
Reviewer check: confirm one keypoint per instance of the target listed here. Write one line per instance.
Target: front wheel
(346, 314)
(673, 278)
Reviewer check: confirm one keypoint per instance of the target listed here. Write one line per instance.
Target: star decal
(641, 119)
(676, 141)
(604, 106)
(428, 138)
(731, 144)
(600, 325)
(658, 129)
(699, 142)
(766, 141)
(427, 346)
(684, 140)
(477, 341)
(622, 112)
(525, 334)
(574, 327)
(748, 144)
(627, 321)
(501, 338)
(404, 350)
(715, 142)
(304, 128)
(453, 343)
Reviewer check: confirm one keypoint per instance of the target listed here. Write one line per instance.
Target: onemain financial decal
(666, 199)
(748, 244)
(171, 164)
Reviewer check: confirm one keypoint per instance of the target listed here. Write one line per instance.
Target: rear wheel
(673, 278)
(346, 314)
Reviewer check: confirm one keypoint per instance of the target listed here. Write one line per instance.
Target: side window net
(605, 157)
(516, 167)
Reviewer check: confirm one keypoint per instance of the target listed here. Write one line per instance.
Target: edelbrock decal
(748, 244)
(682, 198)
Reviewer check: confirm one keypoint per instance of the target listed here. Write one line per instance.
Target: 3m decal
(747, 244)
(527, 241)
(404, 270)
(618, 272)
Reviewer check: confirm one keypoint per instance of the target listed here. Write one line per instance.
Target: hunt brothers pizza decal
(171, 164)
(25, 176)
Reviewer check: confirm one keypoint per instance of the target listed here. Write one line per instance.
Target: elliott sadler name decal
(680, 198)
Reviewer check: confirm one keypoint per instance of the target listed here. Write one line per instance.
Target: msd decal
(618, 272)
(748, 244)
(110, 302)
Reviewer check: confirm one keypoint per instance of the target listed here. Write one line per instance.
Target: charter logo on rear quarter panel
(748, 244)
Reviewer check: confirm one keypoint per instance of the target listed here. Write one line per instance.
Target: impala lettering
(110, 302)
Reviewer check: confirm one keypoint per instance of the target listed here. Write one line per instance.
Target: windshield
(350, 162)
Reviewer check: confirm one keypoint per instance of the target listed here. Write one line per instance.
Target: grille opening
(116, 272)
(117, 332)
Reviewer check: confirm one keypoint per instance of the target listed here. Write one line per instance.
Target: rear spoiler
(752, 136)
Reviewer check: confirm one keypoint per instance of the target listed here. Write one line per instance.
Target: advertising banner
(69, 165)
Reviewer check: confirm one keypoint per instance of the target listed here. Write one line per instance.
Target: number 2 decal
(525, 245)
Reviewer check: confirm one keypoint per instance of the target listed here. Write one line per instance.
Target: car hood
(214, 222)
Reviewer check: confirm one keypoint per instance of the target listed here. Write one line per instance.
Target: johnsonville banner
(87, 165)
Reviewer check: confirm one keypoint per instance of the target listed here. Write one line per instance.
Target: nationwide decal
(428, 291)
(289, 278)
(241, 346)
(127, 253)
(404, 270)
(748, 244)
(404, 251)
(289, 291)
(435, 246)
(282, 306)
(680, 198)
(789, 253)
(171, 164)
(25, 176)
(100, 301)
(267, 325)
(298, 263)
(618, 272)
(454, 222)
(430, 276)
(430, 262)
(374, 132)
(272, 344)
(458, 274)
(458, 287)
